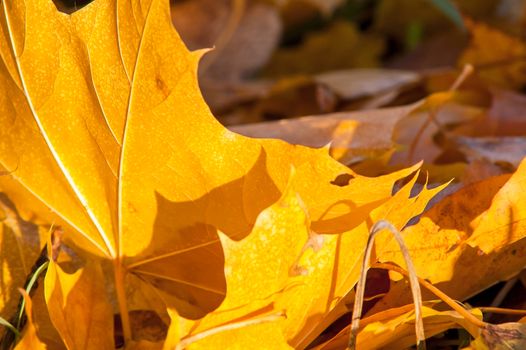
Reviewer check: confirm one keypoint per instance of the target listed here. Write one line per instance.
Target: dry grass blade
(227, 327)
(444, 297)
(360, 289)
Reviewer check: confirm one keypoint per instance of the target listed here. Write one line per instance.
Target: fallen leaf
(158, 176)
(296, 270)
(244, 36)
(354, 83)
(498, 57)
(74, 299)
(326, 7)
(509, 150)
(395, 328)
(350, 133)
(506, 336)
(467, 242)
(340, 46)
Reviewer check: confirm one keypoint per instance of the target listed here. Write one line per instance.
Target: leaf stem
(119, 274)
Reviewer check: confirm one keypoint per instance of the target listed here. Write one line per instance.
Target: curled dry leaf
(243, 33)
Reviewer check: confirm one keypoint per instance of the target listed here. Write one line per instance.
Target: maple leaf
(104, 125)
(297, 272)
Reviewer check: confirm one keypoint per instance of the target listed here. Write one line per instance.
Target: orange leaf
(105, 125)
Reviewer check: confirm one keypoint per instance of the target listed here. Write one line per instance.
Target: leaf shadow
(185, 259)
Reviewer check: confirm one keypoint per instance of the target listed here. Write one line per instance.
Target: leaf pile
(159, 228)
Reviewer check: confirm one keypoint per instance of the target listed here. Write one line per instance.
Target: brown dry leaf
(350, 133)
(506, 336)
(509, 150)
(244, 34)
(395, 17)
(476, 232)
(340, 46)
(505, 117)
(355, 83)
(158, 176)
(395, 328)
(326, 7)
(498, 57)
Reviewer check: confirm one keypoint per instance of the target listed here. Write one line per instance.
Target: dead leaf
(394, 328)
(244, 38)
(498, 57)
(340, 46)
(476, 231)
(509, 150)
(354, 83)
(74, 299)
(158, 176)
(506, 336)
(326, 7)
(296, 270)
(349, 133)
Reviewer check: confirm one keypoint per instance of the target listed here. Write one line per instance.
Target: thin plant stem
(231, 326)
(500, 310)
(9, 326)
(29, 287)
(119, 274)
(443, 296)
(360, 289)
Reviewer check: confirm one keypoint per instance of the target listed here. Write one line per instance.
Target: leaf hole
(342, 180)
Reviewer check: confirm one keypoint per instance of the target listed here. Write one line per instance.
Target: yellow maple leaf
(104, 124)
(296, 273)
